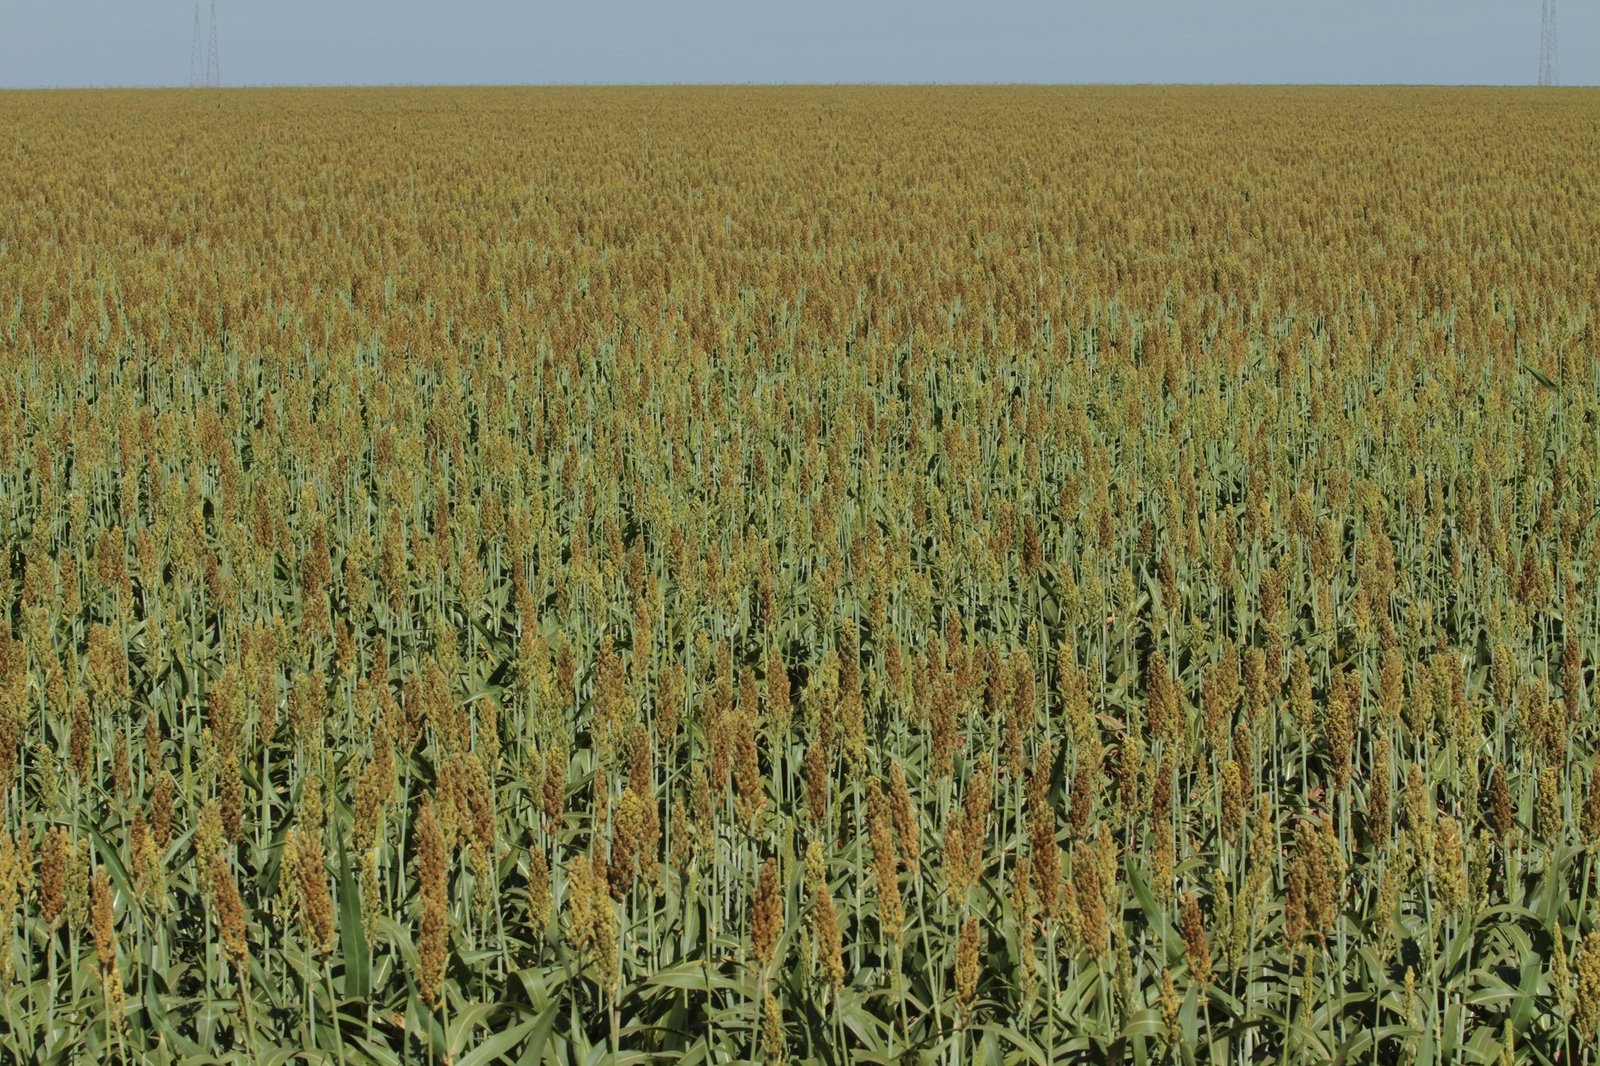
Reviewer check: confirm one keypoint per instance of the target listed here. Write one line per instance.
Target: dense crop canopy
(813, 574)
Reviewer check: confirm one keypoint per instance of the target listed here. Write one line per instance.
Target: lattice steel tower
(213, 71)
(197, 72)
(1548, 74)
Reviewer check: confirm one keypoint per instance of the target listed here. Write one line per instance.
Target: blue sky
(273, 42)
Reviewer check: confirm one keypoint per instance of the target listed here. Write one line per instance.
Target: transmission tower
(197, 73)
(1548, 74)
(213, 71)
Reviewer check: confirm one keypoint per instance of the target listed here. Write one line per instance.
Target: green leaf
(539, 1035)
(352, 931)
(497, 1045)
(1540, 376)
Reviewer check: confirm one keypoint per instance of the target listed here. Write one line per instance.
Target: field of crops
(811, 575)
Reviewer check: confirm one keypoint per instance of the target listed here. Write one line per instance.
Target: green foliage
(1097, 551)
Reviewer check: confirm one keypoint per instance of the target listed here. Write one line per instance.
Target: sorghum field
(944, 575)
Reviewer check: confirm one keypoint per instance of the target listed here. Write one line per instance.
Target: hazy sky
(147, 42)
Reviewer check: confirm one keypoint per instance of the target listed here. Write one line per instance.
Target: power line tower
(1547, 44)
(213, 71)
(197, 72)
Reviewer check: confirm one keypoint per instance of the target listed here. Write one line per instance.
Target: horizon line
(257, 86)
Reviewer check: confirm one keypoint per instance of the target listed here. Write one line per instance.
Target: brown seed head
(230, 914)
(766, 915)
(55, 861)
(102, 918)
(968, 965)
(538, 892)
(431, 872)
(885, 862)
(1588, 995)
(1196, 947)
(906, 826)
